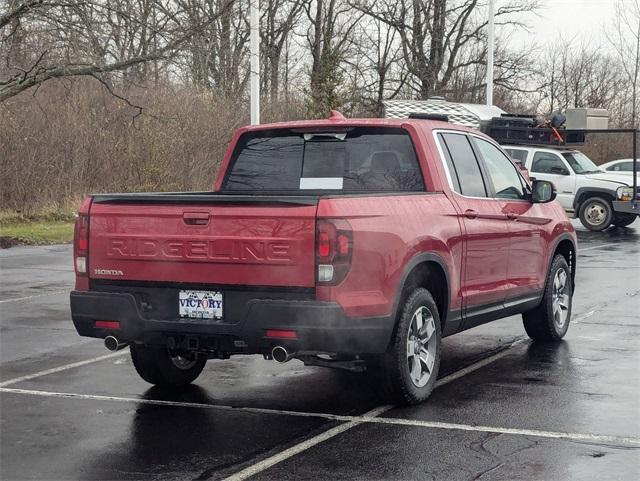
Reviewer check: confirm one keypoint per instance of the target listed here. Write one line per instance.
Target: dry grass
(73, 138)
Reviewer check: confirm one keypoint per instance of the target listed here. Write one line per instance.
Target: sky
(582, 20)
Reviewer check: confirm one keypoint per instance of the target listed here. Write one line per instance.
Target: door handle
(196, 218)
(470, 214)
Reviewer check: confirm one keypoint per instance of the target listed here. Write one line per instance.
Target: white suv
(583, 189)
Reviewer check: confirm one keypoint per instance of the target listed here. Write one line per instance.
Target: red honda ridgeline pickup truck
(341, 242)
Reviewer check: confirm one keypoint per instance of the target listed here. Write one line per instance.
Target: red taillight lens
(326, 241)
(81, 234)
(344, 245)
(324, 245)
(107, 324)
(334, 245)
(281, 334)
(81, 244)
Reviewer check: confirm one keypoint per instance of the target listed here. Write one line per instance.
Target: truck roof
(336, 119)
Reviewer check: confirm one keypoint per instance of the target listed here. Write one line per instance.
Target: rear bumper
(626, 207)
(320, 326)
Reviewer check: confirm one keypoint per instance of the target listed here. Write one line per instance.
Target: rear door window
(350, 161)
(466, 169)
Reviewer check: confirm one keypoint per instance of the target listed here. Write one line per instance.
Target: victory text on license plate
(200, 304)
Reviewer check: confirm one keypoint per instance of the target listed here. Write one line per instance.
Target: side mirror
(559, 171)
(543, 191)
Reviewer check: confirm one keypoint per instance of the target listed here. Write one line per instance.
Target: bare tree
(41, 40)
(330, 35)
(435, 35)
(579, 76)
(279, 19)
(383, 75)
(624, 36)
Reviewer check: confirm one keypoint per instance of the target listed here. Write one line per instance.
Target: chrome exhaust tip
(281, 355)
(113, 344)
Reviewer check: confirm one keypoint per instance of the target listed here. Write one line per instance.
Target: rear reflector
(81, 265)
(325, 273)
(107, 324)
(281, 334)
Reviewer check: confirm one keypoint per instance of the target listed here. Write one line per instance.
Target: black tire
(541, 323)
(594, 205)
(623, 220)
(156, 366)
(395, 365)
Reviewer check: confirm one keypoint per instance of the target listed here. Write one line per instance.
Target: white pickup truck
(585, 191)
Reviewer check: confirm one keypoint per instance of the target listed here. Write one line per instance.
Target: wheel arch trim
(423, 258)
(586, 192)
(554, 249)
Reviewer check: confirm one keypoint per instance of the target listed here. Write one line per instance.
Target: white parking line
(349, 421)
(370, 417)
(303, 446)
(598, 247)
(16, 299)
(599, 438)
(477, 365)
(61, 368)
(582, 317)
(185, 404)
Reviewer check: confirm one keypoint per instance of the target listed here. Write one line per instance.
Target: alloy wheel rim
(421, 346)
(596, 213)
(560, 298)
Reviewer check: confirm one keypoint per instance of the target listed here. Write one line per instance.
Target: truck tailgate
(203, 239)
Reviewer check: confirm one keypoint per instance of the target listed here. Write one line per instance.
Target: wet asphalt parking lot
(504, 408)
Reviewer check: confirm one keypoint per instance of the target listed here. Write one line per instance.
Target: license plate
(200, 304)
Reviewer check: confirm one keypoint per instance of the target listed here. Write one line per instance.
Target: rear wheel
(596, 213)
(550, 320)
(410, 366)
(623, 220)
(162, 367)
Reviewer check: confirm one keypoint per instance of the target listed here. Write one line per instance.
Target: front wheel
(410, 366)
(623, 220)
(162, 367)
(596, 213)
(550, 320)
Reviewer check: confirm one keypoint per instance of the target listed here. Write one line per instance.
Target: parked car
(619, 166)
(344, 243)
(598, 198)
(623, 168)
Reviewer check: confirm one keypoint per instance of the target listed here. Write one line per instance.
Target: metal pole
(634, 152)
(490, 50)
(254, 45)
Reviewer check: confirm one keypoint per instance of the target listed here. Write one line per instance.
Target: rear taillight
(81, 244)
(334, 246)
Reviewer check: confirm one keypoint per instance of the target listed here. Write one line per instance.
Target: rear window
(354, 160)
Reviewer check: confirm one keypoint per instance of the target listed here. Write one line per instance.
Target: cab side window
(463, 165)
(548, 163)
(507, 182)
